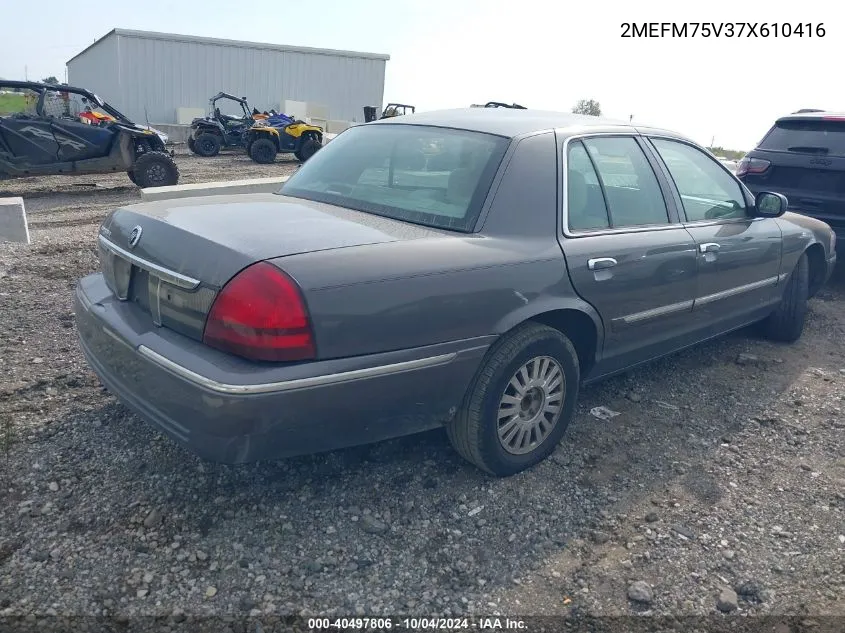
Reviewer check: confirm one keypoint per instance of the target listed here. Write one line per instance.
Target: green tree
(50, 80)
(587, 106)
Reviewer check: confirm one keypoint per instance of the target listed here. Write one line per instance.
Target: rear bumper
(232, 411)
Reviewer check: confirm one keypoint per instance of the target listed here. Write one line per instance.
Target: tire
(192, 145)
(263, 151)
(207, 145)
(474, 431)
(155, 169)
(309, 147)
(786, 323)
(131, 175)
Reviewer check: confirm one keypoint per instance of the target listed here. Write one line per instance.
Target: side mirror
(768, 204)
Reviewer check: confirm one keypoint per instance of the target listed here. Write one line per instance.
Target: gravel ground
(719, 489)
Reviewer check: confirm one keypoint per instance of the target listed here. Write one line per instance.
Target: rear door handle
(708, 247)
(600, 263)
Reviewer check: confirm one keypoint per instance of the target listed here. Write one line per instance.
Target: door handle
(708, 247)
(600, 263)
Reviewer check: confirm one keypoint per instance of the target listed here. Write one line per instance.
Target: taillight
(752, 166)
(260, 314)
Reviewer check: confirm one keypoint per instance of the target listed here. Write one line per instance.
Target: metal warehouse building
(147, 75)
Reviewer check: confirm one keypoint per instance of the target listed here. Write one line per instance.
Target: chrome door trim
(736, 290)
(671, 308)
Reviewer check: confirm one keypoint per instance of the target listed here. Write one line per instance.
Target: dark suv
(803, 157)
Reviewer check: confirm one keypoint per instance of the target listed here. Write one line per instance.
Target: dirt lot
(720, 486)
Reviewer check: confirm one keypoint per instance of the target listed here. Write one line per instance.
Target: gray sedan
(467, 268)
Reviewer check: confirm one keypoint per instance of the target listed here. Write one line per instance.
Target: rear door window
(586, 209)
(807, 136)
(631, 191)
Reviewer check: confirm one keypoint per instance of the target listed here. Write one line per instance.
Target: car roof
(512, 123)
(813, 116)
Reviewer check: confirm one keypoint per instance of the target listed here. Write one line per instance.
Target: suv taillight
(752, 166)
(260, 314)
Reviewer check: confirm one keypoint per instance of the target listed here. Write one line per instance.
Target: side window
(585, 205)
(707, 191)
(632, 193)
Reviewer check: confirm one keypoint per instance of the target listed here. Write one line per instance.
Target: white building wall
(160, 73)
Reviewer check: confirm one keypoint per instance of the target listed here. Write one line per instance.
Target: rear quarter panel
(451, 287)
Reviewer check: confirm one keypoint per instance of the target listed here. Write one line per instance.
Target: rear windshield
(432, 176)
(822, 137)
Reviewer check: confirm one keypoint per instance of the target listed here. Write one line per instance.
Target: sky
(544, 54)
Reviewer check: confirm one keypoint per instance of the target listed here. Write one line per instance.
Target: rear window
(822, 137)
(432, 176)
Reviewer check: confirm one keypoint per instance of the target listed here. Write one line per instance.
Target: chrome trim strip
(297, 383)
(170, 276)
(656, 312)
(730, 292)
(783, 277)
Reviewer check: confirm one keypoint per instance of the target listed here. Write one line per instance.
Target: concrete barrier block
(317, 110)
(254, 185)
(296, 109)
(336, 127)
(318, 122)
(176, 133)
(184, 116)
(13, 226)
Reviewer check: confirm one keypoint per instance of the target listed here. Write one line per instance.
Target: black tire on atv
(192, 145)
(154, 169)
(207, 145)
(309, 147)
(520, 402)
(786, 323)
(131, 175)
(263, 151)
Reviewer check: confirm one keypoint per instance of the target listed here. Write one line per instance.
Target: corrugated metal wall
(97, 71)
(161, 75)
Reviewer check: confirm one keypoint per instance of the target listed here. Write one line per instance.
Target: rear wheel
(154, 169)
(309, 147)
(207, 144)
(786, 323)
(519, 404)
(263, 150)
(131, 175)
(192, 145)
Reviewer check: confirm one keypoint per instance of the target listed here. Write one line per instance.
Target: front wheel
(520, 402)
(309, 147)
(263, 151)
(207, 144)
(786, 323)
(154, 169)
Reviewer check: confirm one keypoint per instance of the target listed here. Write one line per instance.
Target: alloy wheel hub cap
(531, 405)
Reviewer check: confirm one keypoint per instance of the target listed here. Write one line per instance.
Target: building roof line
(194, 39)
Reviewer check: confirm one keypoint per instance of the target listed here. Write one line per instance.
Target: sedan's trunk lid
(214, 237)
(172, 257)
